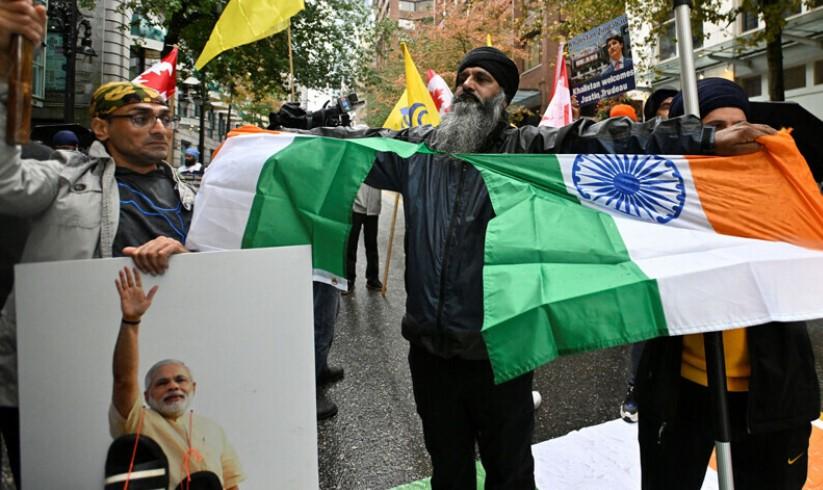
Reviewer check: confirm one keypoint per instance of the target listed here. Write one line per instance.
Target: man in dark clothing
(446, 213)
(773, 392)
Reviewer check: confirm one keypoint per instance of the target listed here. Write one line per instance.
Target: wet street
(376, 441)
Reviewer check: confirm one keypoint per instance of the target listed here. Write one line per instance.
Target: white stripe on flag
(707, 280)
(228, 190)
(691, 215)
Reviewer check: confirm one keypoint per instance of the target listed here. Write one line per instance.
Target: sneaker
(628, 409)
(332, 374)
(374, 285)
(326, 408)
(536, 399)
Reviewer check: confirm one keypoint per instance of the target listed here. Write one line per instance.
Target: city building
(538, 66)
(112, 45)
(727, 51)
(407, 13)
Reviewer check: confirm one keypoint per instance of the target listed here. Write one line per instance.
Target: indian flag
(585, 251)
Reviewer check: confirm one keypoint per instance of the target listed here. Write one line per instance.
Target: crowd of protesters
(460, 406)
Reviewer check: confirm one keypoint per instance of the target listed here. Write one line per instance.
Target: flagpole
(389, 246)
(712, 341)
(291, 65)
(172, 109)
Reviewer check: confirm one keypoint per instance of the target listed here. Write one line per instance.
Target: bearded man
(192, 443)
(447, 209)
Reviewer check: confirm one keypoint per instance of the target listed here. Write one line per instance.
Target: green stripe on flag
(305, 194)
(557, 277)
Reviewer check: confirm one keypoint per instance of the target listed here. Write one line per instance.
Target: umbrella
(806, 129)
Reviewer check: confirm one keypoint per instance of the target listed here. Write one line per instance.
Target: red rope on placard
(134, 450)
(191, 453)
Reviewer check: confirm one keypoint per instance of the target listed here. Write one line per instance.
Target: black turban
(713, 93)
(498, 64)
(655, 99)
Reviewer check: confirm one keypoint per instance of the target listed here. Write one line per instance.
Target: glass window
(748, 21)
(535, 53)
(39, 76)
(405, 6)
(425, 6)
(818, 72)
(667, 43)
(753, 86)
(792, 9)
(794, 77)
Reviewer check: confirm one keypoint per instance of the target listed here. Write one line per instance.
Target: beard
(171, 409)
(468, 125)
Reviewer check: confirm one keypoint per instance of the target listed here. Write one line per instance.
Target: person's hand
(153, 256)
(20, 17)
(575, 108)
(740, 138)
(133, 301)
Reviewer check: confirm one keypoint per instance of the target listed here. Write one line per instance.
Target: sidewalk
(606, 456)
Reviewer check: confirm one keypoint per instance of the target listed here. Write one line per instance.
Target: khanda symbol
(414, 114)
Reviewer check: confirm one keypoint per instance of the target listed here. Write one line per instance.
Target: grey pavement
(376, 441)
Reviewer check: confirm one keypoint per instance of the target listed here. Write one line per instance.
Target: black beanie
(713, 93)
(498, 64)
(655, 99)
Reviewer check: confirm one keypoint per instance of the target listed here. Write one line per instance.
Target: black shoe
(326, 408)
(332, 374)
(374, 285)
(628, 409)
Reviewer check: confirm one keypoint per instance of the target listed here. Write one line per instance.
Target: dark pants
(459, 404)
(369, 225)
(675, 456)
(636, 355)
(10, 427)
(326, 306)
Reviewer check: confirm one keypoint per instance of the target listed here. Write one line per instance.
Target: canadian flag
(440, 91)
(559, 111)
(161, 76)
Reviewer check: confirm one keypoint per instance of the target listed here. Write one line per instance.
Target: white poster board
(241, 320)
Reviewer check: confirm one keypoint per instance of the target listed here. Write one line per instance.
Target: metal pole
(201, 144)
(70, 52)
(716, 373)
(713, 341)
(688, 75)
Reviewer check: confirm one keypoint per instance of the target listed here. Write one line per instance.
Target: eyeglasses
(143, 120)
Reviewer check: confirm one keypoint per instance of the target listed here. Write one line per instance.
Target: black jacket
(783, 387)
(447, 208)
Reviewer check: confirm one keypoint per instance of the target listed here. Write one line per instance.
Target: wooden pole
(18, 104)
(389, 246)
(291, 66)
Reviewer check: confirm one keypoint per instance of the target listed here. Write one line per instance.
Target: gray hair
(165, 362)
(467, 127)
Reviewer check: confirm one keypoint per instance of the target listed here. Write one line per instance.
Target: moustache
(467, 97)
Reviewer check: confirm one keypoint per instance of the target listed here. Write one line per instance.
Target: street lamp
(65, 19)
(200, 97)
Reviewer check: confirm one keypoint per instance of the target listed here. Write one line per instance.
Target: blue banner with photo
(601, 62)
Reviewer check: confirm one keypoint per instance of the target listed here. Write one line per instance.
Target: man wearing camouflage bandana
(121, 199)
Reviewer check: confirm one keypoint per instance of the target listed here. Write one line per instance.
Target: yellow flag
(415, 107)
(395, 119)
(489, 40)
(246, 21)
